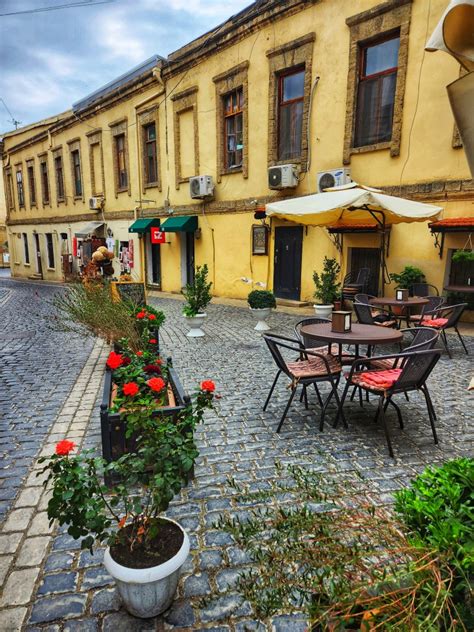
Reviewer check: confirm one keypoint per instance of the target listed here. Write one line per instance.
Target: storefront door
(287, 262)
(367, 258)
(39, 265)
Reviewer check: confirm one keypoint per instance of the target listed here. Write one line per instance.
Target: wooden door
(189, 258)
(287, 262)
(367, 258)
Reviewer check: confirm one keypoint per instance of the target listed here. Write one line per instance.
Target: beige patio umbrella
(352, 204)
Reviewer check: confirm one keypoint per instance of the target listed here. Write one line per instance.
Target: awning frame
(440, 229)
(81, 234)
(180, 222)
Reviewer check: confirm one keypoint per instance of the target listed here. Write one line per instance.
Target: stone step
(36, 277)
(290, 303)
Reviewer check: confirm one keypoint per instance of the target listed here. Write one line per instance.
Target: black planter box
(113, 428)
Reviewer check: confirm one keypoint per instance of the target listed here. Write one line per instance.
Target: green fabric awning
(185, 224)
(143, 225)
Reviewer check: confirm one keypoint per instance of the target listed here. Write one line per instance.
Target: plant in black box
(145, 550)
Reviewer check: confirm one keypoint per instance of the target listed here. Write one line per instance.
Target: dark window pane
(291, 123)
(293, 86)
(44, 181)
(50, 249)
(31, 180)
(233, 122)
(387, 102)
(382, 56)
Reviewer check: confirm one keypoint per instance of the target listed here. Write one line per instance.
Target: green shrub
(408, 276)
(260, 299)
(197, 294)
(463, 256)
(327, 287)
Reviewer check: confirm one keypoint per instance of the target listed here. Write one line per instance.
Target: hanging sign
(158, 236)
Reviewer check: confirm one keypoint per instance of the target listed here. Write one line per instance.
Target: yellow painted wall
(225, 243)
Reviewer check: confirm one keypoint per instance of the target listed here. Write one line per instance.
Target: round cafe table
(370, 335)
(391, 302)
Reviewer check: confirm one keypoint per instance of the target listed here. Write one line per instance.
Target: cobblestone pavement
(67, 590)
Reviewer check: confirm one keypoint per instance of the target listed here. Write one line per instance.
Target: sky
(50, 59)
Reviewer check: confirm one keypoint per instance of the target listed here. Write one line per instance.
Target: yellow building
(309, 86)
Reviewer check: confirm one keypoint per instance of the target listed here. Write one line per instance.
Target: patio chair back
(274, 343)
(434, 302)
(364, 313)
(363, 277)
(308, 342)
(416, 368)
(363, 298)
(452, 313)
(423, 338)
(423, 289)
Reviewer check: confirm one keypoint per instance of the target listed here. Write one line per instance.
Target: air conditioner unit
(201, 187)
(283, 177)
(333, 178)
(96, 203)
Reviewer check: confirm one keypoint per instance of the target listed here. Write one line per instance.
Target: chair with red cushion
(430, 308)
(409, 372)
(446, 318)
(311, 367)
(365, 316)
(421, 338)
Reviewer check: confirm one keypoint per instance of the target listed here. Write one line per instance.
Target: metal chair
(411, 372)
(434, 302)
(422, 338)
(423, 289)
(363, 298)
(366, 317)
(354, 284)
(452, 314)
(310, 368)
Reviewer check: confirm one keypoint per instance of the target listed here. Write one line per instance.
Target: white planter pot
(323, 311)
(261, 315)
(195, 324)
(147, 592)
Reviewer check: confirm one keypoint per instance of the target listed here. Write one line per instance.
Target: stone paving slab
(73, 592)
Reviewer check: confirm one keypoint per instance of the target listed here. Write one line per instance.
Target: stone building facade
(319, 85)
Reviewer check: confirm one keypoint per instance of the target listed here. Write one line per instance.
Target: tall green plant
(408, 276)
(327, 286)
(198, 294)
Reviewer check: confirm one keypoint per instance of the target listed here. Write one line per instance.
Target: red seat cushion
(313, 367)
(377, 380)
(434, 322)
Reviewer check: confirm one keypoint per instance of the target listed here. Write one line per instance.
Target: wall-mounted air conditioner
(283, 177)
(333, 178)
(201, 187)
(96, 203)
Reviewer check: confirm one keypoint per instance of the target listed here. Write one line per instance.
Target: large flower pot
(147, 592)
(261, 314)
(323, 311)
(195, 324)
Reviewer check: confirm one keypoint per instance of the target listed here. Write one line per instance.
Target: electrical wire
(73, 5)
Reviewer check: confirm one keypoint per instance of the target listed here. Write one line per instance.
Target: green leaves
(327, 287)
(198, 294)
(260, 299)
(408, 276)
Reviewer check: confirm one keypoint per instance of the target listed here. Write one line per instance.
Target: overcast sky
(50, 59)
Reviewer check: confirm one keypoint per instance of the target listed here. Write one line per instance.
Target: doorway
(39, 265)
(287, 262)
(367, 258)
(187, 258)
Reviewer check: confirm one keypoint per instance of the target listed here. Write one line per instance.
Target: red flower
(156, 384)
(131, 389)
(141, 315)
(158, 361)
(151, 317)
(126, 361)
(152, 341)
(115, 360)
(152, 368)
(64, 447)
(139, 353)
(208, 386)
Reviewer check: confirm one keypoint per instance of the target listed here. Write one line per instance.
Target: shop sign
(158, 236)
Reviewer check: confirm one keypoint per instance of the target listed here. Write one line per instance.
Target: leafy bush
(197, 294)
(260, 299)
(439, 508)
(327, 287)
(463, 256)
(408, 276)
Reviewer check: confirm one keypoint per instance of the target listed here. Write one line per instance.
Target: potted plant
(327, 287)
(261, 303)
(145, 550)
(198, 296)
(407, 277)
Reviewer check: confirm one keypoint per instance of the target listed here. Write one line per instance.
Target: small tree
(197, 294)
(327, 286)
(408, 276)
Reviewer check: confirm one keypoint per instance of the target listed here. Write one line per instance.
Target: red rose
(141, 315)
(152, 341)
(131, 389)
(126, 361)
(158, 361)
(115, 360)
(152, 368)
(156, 384)
(208, 386)
(151, 317)
(139, 353)
(64, 447)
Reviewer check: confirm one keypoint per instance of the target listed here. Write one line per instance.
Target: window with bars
(76, 173)
(151, 162)
(378, 65)
(50, 249)
(32, 184)
(121, 165)
(290, 113)
(58, 168)
(233, 128)
(44, 181)
(19, 188)
(26, 250)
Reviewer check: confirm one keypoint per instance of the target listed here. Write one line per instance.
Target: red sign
(158, 236)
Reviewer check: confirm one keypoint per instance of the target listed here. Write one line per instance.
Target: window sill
(152, 185)
(17, 263)
(51, 269)
(61, 201)
(26, 265)
(123, 190)
(375, 147)
(78, 197)
(227, 172)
